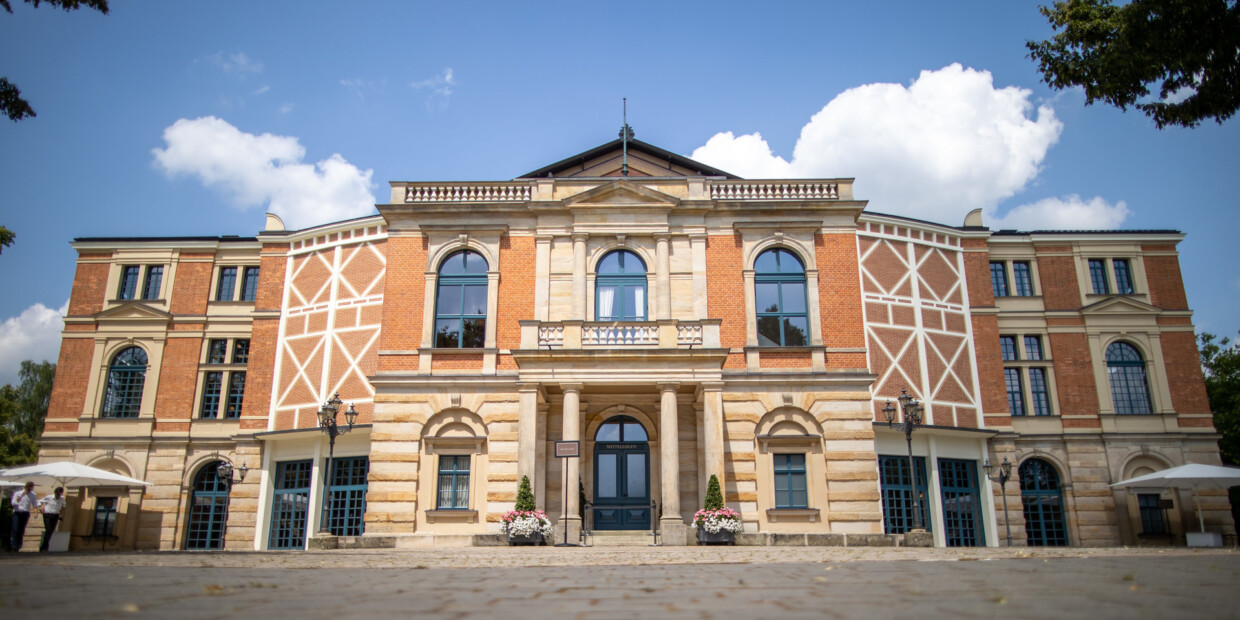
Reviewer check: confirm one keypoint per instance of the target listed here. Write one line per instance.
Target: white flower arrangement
(525, 523)
(714, 521)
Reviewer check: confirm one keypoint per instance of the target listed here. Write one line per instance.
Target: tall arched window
(779, 293)
(126, 375)
(620, 288)
(1042, 499)
(208, 509)
(461, 302)
(1129, 388)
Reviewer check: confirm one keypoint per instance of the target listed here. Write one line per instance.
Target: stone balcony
(581, 335)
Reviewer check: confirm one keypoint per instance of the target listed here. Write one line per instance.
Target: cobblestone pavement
(659, 582)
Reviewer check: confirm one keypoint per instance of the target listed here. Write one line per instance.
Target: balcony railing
(674, 334)
(469, 192)
(758, 190)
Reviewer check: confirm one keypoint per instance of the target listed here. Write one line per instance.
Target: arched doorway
(1043, 503)
(208, 509)
(621, 475)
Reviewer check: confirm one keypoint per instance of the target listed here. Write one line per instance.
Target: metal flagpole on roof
(626, 134)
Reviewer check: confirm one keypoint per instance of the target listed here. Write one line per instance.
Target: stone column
(712, 433)
(672, 524)
(579, 277)
(527, 431)
(663, 278)
(571, 432)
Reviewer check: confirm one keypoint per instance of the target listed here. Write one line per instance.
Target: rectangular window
(105, 517)
(348, 496)
(289, 505)
(241, 351)
(1015, 391)
(1033, 347)
(453, 483)
(1007, 344)
(1023, 279)
(212, 384)
(236, 395)
(218, 349)
(227, 285)
(1123, 276)
(998, 279)
(249, 284)
(1038, 392)
(129, 282)
(790, 491)
(1152, 521)
(896, 485)
(1098, 276)
(154, 278)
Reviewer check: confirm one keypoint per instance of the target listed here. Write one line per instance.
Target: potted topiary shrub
(525, 524)
(715, 523)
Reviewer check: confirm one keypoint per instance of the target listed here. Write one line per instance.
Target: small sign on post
(566, 450)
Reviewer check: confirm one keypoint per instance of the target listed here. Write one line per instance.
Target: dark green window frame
(782, 306)
(790, 489)
(154, 279)
(1022, 276)
(622, 275)
(1130, 388)
(130, 274)
(126, 376)
(460, 324)
(453, 482)
(998, 279)
(1098, 276)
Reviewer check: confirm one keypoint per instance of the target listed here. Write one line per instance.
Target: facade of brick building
(676, 321)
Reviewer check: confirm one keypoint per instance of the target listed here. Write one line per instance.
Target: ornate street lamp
(1005, 474)
(910, 420)
(327, 424)
(224, 471)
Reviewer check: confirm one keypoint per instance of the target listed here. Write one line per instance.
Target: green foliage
(525, 497)
(1116, 53)
(11, 102)
(1220, 361)
(22, 411)
(6, 235)
(714, 497)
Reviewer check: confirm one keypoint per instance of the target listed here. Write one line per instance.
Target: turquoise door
(621, 476)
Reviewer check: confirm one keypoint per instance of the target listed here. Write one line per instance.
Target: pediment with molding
(132, 311)
(1120, 305)
(622, 193)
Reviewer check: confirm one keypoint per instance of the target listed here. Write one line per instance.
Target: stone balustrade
(671, 334)
(469, 192)
(759, 190)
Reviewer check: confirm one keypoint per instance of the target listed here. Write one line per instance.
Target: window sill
(779, 349)
(457, 516)
(458, 350)
(775, 515)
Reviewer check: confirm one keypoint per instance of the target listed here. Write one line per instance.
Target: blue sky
(194, 118)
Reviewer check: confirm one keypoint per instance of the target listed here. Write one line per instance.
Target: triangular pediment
(132, 311)
(642, 159)
(1119, 305)
(621, 193)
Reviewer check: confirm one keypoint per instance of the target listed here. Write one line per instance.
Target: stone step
(628, 538)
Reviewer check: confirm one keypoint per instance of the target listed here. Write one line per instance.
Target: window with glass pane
(1123, 276)
(154, 277)
(217, 350)
(126, 375)
(208, 509)
(241, 351)
(1152, 521)
(461, 302)
(290, 505)
(1007, 345)
(1042, 501)
(779, 293)
(1098, 276)
(348, 496)
(212, 385)
(453, 483)
(620, 287)
(249, 284)
(105, 517)
(1038, 392)
(790, 491)
(998, 279)
(1022, 277)
(1129, 387)
(236, 395)
(1033, 347)
(896, 483)
(227, 285)
(129, 282)
(1015, 391)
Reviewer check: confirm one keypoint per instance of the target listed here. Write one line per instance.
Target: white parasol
(1195, 476)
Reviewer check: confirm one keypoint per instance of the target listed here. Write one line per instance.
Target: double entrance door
(621, 486)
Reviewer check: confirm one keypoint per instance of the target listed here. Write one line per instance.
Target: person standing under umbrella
(51, 506)
(23, 502)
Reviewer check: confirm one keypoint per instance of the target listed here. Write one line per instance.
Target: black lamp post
(224, 471)
(1005, 474)
(327, 424)
(910, 420)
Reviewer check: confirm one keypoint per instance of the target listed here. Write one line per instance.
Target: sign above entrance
(567, 449)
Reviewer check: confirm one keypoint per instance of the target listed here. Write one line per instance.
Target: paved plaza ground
(630, 582)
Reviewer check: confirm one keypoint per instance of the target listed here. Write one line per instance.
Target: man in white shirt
(23, 502)
(51, 506)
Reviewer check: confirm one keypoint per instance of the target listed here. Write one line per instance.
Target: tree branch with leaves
(11, 102)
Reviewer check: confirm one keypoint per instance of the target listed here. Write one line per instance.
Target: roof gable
(645, 160)
(621, 192)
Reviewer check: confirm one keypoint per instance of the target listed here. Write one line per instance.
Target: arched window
(1129, 388)
(126, 375)
(621, 496)
(208, 509)
(620, 288)
(1043, 504)
(779, 293)
(621, 428)
(461, 302)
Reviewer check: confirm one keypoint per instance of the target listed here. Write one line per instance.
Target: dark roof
(221, 239)
(636, 145)
(1007, 232)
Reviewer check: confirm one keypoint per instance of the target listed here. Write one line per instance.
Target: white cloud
(1068, 213)
(261, 90)
(948, 143)
(237, 63)
(254, 170)
(32, 335)
(440, 87)
(285, 108)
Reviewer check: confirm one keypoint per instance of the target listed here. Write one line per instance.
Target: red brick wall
(839, 297)
(1188, 386)
(1074, 376)
(192, 285)
(516, 289)
(73, 370)
(264, 333)
(784, 359)
(1166, 283)
(1060, 288)
(990, 369)
(89, 284)
(178, 380)
(977, 273)
(725, 292)
(451, 363)
(403, 291)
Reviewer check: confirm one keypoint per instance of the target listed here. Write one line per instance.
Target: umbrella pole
(1197, 502)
